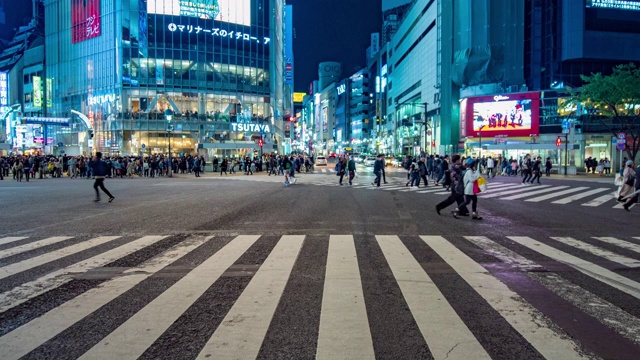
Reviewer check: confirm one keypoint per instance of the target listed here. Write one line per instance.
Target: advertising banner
(49, 93)
(4, 89)
(288, 44)
(37, 91)
(85, 20)
(513, 114)
(298, 97)
(230, 11)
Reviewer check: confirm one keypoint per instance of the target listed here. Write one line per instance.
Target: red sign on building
(513, 114)
(85, 20)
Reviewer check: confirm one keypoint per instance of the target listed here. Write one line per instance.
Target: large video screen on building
(613, 16)
(230, 11)
(85, 20)
(509, 114)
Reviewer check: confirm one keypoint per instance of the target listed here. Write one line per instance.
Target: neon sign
(500, 98)
(173, 27)
(250, 128)
(4, 89)
(614, 4)
(341, 89)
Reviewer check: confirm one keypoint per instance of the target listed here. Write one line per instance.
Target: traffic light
(260, 142)
(559, 141)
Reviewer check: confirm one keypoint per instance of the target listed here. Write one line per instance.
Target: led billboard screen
(230, 11)
(510, 114)
(85, 20)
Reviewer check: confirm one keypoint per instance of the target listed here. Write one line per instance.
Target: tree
(616, 98)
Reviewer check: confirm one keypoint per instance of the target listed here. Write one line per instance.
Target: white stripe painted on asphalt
(32, 246)
(620, 243)
(27, 291)
(516, 189)
(443, 330)
(131, 339)
(556, 194)
(602, 310)
(241, 333)
(343, 308)
(27, 264)
(523, 317)
(597, 272)
(532, 193)
(598, 251)
(26, 338)
(10, 239)
(599, 201)
(429, 191)
(620, 205)
(390, 188)
(579, 196)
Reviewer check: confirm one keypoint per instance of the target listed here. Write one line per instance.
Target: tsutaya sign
(250, 127)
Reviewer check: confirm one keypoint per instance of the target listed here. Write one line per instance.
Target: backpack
(337, 167)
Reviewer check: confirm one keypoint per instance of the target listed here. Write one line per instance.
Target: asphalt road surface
(244, 267)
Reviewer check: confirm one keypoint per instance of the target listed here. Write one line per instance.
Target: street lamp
(168, 114)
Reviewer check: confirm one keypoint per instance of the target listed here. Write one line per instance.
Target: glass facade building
(128, 64)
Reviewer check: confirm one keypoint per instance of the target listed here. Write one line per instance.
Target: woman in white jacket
(470, 177)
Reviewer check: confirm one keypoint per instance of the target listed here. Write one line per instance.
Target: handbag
(630, 181)
(476, 187)
(482, 183)
(619, 180)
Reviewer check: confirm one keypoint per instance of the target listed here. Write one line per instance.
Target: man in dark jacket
(100, 170)
(457, 189)
(378, 165)
(351, 166)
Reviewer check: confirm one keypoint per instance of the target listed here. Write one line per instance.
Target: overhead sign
(614, 4)
(217, 32)
(239, 127)
(85, 20)
(298, 97)
(46, 121)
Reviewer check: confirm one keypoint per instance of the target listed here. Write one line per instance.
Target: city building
(139, 76)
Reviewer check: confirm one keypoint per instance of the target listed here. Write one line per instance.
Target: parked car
(369, 161)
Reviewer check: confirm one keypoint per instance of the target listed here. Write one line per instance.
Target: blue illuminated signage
(217, 32)
(614, 4)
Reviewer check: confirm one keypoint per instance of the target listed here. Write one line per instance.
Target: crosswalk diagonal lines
(429, 307)
(429, 191)
(26, 338)
(515, 189)
(10, 239)
(598, 251)
(523, 317)
(532, 193)
(32, 246)
(556, 194)
(52, 280)
(241, 333)
(591, 304)
(30, 263)
(600, 200)
(343, 309)
(620, 243)
(131, 339)
(621, 206)
(398, 187)
(582, 195)
(597, 272)
(495, 186)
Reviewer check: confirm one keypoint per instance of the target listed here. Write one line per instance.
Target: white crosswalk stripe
(345, 327)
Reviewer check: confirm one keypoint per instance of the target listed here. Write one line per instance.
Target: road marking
(556, 194)
(241, 333)
(597, 272)
(535, 192)
(523, 317)
(620, 243)
(515, 189)
(131, 339)
(602, 310)
(599, 201)
(32, 246)
(598, 251)
(343, 309)
(439, 323)
(27, 291)
(28, 337)
(579, 196)
(10, 239)
(391, 188)
(620, 205)
(27, 264)
(429, 191)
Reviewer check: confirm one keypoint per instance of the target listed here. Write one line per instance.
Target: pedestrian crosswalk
(553, 194)
(348, 296)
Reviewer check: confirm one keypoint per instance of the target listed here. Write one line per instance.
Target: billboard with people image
(515, 114)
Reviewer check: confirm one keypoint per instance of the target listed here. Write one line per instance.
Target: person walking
(634, 199)
(378, 165)
(547, 167)
(341, 168)
(628, 179)
(471, 175)
(537, 170)
(223, 167)
(457, 189)
(422, 167)
(526, 169)
(100, 170)
(490, 165)
(351, 166)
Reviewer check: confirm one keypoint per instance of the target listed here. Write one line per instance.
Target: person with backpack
(457, 189)
(287, 166)
(526, 169)
(414, 172)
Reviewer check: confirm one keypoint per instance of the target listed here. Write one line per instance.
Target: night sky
(325, 30)
(332, 30)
